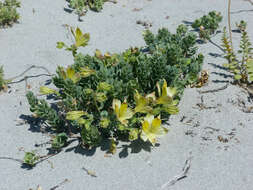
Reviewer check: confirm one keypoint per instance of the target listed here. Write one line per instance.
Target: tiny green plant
(241, 67)
(80, 40)
(8, 12)
(123, 96)
(31, 158)
(207, 25)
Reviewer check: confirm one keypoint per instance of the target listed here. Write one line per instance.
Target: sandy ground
(215, 165)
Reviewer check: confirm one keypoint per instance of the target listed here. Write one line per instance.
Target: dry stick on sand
(10, 80)
(182, 175)
(60, 184)
(20, 75)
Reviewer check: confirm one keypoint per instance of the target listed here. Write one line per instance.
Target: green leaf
(134, 134)
(59, 141)
(75, 115)
(60, 45)
(30, 158)
(45, 90)
(237, 77)
(80, 38)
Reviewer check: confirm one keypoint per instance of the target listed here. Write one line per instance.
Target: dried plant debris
(137, 9)
(60, 184)
(222, 139)
(182, 175)
(53, 188)
(146, 24)
(202, 79)
(90, 172)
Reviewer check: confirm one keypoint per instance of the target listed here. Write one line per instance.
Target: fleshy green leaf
(75, 115)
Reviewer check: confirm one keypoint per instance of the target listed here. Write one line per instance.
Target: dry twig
(182, 175)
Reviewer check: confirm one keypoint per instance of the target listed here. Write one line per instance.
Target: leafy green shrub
(121, 96)
(243, 68)
(8, 12)
(207, 25)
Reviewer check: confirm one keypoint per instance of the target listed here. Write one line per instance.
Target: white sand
(215, 165)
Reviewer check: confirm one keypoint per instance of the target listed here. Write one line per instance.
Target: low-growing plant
(31, 158)
(121, 96)
(8, 12)
(82, 6)
(240, 65)
(207, 25)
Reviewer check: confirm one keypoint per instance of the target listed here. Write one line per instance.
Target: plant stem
(229, 23)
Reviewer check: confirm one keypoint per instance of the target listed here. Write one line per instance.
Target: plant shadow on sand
(224, 75)
(132, 147)
(123, 150)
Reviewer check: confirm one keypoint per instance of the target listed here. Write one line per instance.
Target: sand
(194, 133)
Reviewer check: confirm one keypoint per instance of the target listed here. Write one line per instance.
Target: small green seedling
(31, 158)
(80, 40)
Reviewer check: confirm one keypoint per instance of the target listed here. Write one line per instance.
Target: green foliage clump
(241, 68)
(8, 12)
(30, 158)
(59, 141)
(122, 96)
(207, 25)
(3, 82)
(81, 6)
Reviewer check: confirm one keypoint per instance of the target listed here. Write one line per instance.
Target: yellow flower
(167, 94)
(142, 103)
(151, 129)
(70, 74)
(122, 111)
